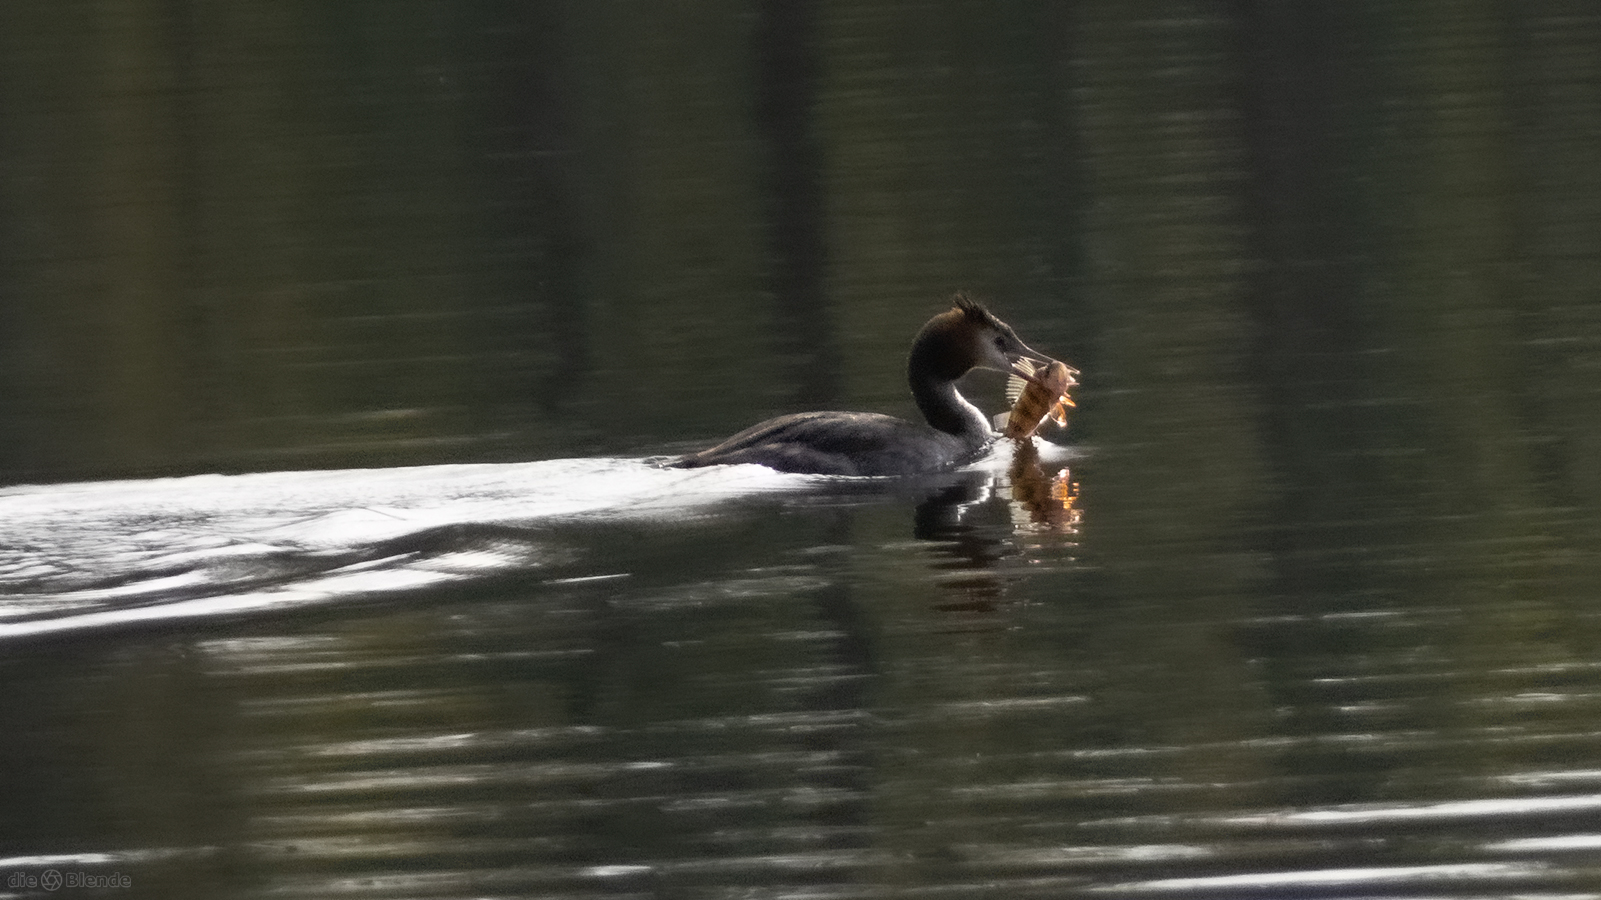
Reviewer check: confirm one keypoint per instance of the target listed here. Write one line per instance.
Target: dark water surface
(598, 678)
(1324, 619)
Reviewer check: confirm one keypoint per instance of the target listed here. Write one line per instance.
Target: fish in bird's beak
(1045, 394)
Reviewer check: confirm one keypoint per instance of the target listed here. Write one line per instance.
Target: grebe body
(951, 344)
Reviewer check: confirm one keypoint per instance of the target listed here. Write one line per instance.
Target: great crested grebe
(963, 338)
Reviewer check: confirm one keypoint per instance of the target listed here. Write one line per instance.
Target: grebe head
(966, 337)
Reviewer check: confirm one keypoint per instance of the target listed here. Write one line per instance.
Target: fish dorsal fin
(1014, 388)
(1015, 383)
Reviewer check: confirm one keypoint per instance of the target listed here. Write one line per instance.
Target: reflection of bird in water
(978, 532)
(968, 553)
(963, 338)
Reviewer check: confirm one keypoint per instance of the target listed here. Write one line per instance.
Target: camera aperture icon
(50, 880)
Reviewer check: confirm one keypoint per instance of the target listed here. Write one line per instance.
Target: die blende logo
(55, 880)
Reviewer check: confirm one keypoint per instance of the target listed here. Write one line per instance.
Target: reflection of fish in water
(1043, 395)
(1050, 500)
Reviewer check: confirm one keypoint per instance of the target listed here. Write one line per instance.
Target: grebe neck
(946, 409)
(942, 353)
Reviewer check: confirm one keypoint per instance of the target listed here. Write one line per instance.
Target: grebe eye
(1000, 343)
